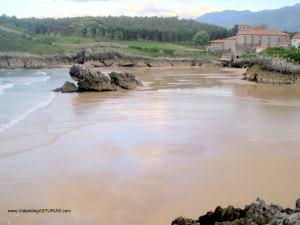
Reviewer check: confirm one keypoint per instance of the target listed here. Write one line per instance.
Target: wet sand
(187, 142)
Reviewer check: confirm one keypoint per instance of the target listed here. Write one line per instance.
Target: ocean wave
(26, 113)
(25, 80)
(5, 86)
(40, 73)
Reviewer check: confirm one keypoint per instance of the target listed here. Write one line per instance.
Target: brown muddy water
(190, 140)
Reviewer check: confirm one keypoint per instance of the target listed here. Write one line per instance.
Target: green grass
(65, 39)
(57, 44)
(159, 49)
(11, 42)
(291, 54)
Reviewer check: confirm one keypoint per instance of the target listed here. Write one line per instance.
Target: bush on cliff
(292, 54)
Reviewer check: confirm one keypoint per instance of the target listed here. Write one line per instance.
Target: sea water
(24, 91)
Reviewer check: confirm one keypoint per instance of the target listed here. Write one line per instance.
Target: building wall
(262, 40)
(215, 47)
(244, 27)
(296, 43)
(229, 44)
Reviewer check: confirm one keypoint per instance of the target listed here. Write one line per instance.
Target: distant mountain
(286, 19)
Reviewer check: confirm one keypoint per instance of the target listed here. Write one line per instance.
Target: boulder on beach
(125, 80)
(92, 79)
(68, 87)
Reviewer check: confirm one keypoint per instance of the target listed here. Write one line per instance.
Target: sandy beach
(189, 140)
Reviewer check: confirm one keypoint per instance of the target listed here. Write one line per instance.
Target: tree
(235, 29)
(200, 38)
(164, 29)
(118, 35)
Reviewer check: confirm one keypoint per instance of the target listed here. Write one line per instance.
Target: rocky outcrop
(115, 59)
(272, 70)
(257, 213)
(68, 87)
(92, 59)
(277, 64)
(31, 61)
(91, 79)
(125, 80)
(257, 74)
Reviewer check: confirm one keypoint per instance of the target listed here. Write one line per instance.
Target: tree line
(162, 29)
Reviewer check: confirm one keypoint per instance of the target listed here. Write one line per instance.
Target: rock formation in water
(272, 70)
(92, 79)
(257, 213)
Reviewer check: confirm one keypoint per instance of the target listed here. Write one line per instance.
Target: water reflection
(147, 156)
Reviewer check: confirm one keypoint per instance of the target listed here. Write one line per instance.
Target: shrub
(169, 51)
(289, 54)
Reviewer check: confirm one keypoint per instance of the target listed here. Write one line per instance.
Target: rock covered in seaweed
(257, 213)
(91, 79)
(68, 87)
(125, 80)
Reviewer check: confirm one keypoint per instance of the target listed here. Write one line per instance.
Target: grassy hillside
(12, 41)
(147, 36)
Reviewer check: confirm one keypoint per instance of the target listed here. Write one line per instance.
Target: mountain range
(285, 19)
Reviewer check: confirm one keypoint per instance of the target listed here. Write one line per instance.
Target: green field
(16, 41)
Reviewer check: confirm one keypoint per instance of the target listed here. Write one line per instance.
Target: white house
(296, 41)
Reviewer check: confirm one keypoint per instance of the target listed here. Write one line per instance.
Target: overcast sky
(181, 8)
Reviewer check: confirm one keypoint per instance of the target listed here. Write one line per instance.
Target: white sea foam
(5, 86)
(19, 118)
(26, 80)
(40, 73)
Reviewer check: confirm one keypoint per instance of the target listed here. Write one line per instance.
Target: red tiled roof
(297, 36)
(222, 40)
(231, 38)
(262, 32)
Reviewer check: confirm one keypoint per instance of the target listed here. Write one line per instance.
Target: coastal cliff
(272, 70)
(92, 59)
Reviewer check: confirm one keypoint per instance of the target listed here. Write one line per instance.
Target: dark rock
(221, 215)
(91, 79)
(125, 80)
(257, 213)
(184, 221)
(57, 89)
(80, 57)
(69, 87)
(298, 204)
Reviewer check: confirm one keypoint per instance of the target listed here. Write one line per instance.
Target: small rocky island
(257, 213)
(92, 79)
